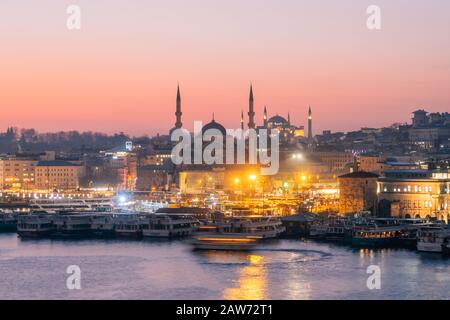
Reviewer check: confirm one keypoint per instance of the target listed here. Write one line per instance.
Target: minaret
(289, 119)
(310, 135)
(251, 113)
(178, 113)
(242, 120)
(265, 117)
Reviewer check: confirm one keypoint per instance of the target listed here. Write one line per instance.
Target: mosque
(289, 134)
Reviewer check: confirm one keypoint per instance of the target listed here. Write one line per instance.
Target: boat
(129, 225)
(377, 237)
(224, 241)
(169, 225)
(431, 238)
(8, 222)
(102, 225)
(318, 231)
(446, 246)
(72, 225)
(261, 227)
(55, 205)
(35, 225)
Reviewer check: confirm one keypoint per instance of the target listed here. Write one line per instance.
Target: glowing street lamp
(252, 177)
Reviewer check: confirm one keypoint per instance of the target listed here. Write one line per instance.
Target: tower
(178, 113)
(310, 135)
(265, 117)
(289, 119)
(251, 112)
(242, 120)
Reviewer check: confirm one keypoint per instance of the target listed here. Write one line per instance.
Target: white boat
(35, 225)
(431, 238)
(236, 233)
(261, 227)
(72, 225)
(102, 225)
(72, 204)
(129, 225)
(166, 225)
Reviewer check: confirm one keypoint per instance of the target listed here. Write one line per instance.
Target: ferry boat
(69, 225)
(446, 246)
(262, 227)
(431, 238)
(236, 233)
(129, 225)
(223, 241)
(35, 225)
(169, 225)
(102, 225)
(318, 231)
(72, 205)
(375, 237)
(8, 222)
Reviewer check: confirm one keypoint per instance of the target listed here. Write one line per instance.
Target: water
(149, 269)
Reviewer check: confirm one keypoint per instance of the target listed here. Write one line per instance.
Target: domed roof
(214, 125)
(278, 120)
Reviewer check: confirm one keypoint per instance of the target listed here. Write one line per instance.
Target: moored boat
(102, 225)
(35, 225)
(169, 225)
(8, 222)
(431, 238)
(129, 225)
(69, 225)
(375, 237)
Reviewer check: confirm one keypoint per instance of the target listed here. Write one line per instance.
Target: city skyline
(295, 54)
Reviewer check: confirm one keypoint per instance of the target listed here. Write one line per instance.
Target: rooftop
(359, 174)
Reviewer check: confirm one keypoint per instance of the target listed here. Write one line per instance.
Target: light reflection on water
(285, 269)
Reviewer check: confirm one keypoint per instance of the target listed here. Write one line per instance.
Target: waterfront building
(415, 194)
(57, 174)
(17, 173)
(336, 161)
(357, 192)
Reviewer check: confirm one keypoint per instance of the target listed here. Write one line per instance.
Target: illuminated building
(57, 174)
(17, 173)
(414, 194)
(357, 192)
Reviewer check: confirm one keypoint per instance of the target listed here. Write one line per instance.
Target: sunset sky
(120, 71)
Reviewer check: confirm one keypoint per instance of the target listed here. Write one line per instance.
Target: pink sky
(120, 71)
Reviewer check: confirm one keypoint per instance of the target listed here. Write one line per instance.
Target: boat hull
(429, 247)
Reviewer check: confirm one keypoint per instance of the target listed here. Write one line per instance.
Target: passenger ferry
(236, 233)
(376, 237)
(262, 227)
(102, 225)
(35, 225)
(223, 241)
(72, 204)
(446, 246)
(169, 225)
(70, 225)
(129, 225)
(8, 222)
(431, 238)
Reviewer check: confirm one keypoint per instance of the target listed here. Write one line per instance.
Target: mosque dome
(214, 125)
(278, 121)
